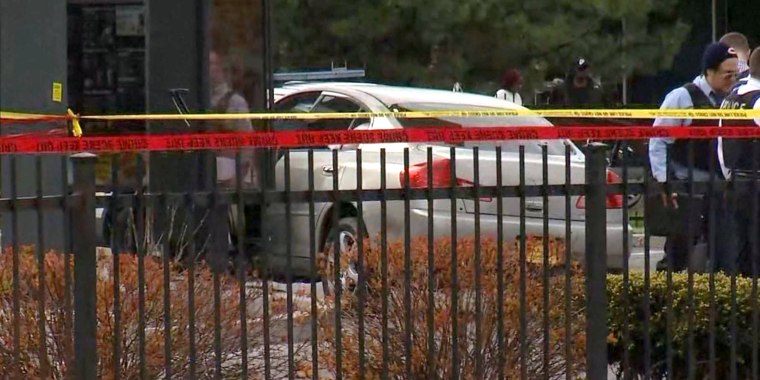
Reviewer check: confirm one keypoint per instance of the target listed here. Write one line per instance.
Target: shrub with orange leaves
(56, 360)
(476, 317)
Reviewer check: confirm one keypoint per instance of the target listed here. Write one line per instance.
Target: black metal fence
(513, 262)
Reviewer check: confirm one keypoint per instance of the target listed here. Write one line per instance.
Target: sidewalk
(638, 258)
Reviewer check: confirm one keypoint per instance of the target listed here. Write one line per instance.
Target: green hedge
(678, 327)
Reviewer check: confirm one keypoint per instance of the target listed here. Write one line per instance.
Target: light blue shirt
(676, 99)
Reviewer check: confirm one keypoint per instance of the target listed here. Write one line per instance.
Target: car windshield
(554, 147)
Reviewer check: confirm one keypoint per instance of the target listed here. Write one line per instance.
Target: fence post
(83, 240)
(596, 261)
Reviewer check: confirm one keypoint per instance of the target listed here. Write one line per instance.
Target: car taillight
(441, 176)
(613, 200)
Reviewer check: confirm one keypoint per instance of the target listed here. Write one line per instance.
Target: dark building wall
(176, 47)
(33, 54)
(742, 16)
(32, 57)
(180, 35)
(177, 52)
(177, 58)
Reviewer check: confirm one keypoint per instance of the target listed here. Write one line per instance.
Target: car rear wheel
(633, 200)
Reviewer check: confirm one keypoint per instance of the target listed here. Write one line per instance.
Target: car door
(301, 102)
(331, 102)
(321, 167)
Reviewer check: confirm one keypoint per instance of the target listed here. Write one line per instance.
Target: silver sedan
(355, 97)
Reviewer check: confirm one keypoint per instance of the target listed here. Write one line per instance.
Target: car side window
(300, 103)
(337, 104)
(297, 103)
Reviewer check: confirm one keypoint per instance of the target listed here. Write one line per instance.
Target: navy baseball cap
(581, 65)
(715, 54)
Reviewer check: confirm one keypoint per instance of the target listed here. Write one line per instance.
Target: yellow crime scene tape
(76, 128)
(575, 113)
(27, 116)
(557, 113)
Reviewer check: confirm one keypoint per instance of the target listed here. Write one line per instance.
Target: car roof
(390, 95)
(394, 95)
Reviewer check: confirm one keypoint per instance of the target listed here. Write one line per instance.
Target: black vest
(739, 154)
(704, 150)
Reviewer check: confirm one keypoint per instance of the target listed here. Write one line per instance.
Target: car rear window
(554, 147)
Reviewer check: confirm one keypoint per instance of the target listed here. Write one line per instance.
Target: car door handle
(534, 206)
(327, 169)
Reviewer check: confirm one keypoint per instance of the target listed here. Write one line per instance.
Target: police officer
(742, 160)
(740, 44)
(669, 158)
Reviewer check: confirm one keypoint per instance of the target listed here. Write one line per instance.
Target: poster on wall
(130, 20)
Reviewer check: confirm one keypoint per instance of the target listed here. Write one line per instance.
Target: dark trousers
(722, 235)
(687, 227)
(746, 217)
(693, 229)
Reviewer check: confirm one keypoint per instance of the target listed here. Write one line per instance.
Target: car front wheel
(346, 232)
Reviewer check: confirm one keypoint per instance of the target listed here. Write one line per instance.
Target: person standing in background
(511, 84)
(669, 160)
(581, 90)
(741, 158)
(226, 99)
(739, 43)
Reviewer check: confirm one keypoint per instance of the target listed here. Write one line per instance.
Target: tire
(633, 200)
(346, 229)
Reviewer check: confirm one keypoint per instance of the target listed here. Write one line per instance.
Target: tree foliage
(438, 42)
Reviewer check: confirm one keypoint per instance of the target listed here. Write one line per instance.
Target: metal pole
(85, 269)
(625, 68)
(596, 261)
(625, 90)
(714, 20)
(268, 155)
(268, 62)
(204, 162)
